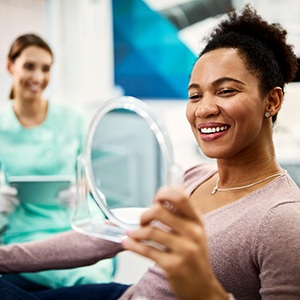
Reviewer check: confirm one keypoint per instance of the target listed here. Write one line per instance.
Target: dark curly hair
(262, 45)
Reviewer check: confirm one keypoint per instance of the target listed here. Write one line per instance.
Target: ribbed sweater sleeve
(66, 250)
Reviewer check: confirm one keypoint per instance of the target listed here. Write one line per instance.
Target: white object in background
(81, 35)
(131, 267)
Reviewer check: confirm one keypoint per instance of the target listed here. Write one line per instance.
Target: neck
(238, 173)
(30, 113)
(250, 185)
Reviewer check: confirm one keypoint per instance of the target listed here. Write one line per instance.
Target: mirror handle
(175, 175)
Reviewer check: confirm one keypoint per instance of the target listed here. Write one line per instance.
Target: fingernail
(124, 239)
(128, 232)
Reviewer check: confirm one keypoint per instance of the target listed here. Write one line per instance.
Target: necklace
(216, 188)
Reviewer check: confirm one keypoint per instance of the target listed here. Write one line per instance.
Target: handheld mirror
(127, 157)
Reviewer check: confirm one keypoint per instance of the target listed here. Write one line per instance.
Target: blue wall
(150, 60)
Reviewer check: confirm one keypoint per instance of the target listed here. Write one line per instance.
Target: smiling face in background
(31, 73)
(225, 108)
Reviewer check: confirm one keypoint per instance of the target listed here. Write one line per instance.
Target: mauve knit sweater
(254, 246)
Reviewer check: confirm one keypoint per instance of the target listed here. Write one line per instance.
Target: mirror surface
(127, 158)
(126, 162)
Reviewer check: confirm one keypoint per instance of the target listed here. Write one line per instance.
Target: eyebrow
(217, 82)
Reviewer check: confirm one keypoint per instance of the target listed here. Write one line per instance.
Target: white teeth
(34, 87)
(213, 129)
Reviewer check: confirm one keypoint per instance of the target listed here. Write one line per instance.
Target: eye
(195, 97)
(29, 66)
(227, 92)
(46, 69)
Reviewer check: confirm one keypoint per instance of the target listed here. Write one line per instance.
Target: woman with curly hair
(235, 228)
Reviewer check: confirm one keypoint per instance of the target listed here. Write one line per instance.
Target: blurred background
(142, 48)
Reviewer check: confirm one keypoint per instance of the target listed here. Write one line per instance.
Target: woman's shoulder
(8, 120)
(6, 109)
(197, 174)
(278, 234)
(279, 191)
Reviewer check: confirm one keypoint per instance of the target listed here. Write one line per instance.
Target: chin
(209, 151)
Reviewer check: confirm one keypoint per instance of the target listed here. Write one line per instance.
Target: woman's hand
(8, 199)
(66, 197)
(172, 234)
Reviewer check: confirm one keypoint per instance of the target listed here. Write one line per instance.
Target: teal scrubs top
(50, 148)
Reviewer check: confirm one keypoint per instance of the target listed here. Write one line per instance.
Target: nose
(207, 107)
(38, 75)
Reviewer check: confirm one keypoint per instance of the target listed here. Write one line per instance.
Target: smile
(213, 129)
(34, 87)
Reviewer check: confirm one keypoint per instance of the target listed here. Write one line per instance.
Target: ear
(274, 101)
(9, 66)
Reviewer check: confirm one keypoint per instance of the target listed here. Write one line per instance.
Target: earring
(267, 114)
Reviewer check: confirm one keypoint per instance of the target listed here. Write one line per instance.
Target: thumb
(8, 190)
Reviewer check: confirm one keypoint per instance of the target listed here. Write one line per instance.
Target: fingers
(147, 248)
(169, 226)
(7, 190)
(15, 201)
(66, 197)
(172, 207)
(66, 193)
(166, 220)
(172, 232)
(8, 199)
(177, 201)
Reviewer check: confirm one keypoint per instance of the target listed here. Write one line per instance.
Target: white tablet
(39, 189)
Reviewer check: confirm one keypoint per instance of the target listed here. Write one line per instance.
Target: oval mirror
(127, 157)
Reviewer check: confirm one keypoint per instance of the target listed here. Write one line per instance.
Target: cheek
(190, 113)
(21, 75)
(240, 110)
(246, 118)
(47, 77)
(18, 78)
(240, 113)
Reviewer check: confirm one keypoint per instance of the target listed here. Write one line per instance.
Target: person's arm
(65, 250)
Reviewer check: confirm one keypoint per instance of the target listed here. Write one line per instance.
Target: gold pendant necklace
(216, 188)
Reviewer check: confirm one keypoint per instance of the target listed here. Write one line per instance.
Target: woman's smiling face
(31, 72)
(225, 108)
